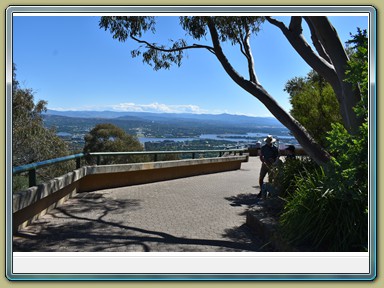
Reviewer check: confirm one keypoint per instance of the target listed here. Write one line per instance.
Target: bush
(328, 210)
(321, 216)
(287, 174)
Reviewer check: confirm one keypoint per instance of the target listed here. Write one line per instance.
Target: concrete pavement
(195, 214)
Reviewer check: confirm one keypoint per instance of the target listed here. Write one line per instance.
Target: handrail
(31, 168)
(168, 152)
(27, 167)
(164, 152)
(155, 153)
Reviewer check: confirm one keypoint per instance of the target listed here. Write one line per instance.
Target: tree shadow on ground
(243, 234)
(248, 200)
(273, 206)
(83, 225)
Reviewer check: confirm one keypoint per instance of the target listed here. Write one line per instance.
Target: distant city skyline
(73, 65)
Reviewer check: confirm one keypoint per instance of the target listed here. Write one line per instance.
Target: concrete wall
(36, 201)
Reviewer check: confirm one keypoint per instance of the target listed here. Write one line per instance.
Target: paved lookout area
(195, 214)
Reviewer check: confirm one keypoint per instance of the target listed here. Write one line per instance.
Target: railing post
(98, 160)
(32, 177)
(155, 157)
(193, 155)
(78, 163)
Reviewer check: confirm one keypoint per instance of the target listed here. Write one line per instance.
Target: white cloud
(133, 107)
(157, 107)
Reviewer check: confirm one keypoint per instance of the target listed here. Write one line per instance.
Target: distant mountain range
(223, 119)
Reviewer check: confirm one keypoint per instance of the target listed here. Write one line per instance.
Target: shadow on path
(85, 226)
(249, 200)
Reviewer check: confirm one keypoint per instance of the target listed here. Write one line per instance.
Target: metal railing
(31, 168)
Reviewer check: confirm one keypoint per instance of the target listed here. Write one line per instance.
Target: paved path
(202, 213)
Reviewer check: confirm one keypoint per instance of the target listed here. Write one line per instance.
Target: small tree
(314, 105)
(107, 137)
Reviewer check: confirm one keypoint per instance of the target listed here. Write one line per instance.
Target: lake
(244, 138)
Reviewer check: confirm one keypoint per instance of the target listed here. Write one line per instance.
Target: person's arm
(262, 159)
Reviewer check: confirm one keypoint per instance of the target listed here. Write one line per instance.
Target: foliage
(322, 217)
(107, 137)
(31, 141)
(357, 70)
(232, 29)
(314, 104)
(289, 173)
(349, 163)
(329, 209)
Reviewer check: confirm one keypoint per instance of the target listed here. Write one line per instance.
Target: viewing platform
(197, 211)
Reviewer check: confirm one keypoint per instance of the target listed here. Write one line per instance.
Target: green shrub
(328, 210)
(286, 173)
(322, 216)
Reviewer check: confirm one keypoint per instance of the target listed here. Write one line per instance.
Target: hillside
(220, 119)
(161, 124)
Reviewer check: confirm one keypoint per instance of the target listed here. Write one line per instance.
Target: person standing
(269, 154)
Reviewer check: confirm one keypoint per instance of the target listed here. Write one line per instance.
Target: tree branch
(316, 42)
(298, 42)
(243, 41)
(240, 42)
(276, 23)
(251, 63)
(350, 94)
(332, 68)
(170, 50)
(295, 25)
(221, 56)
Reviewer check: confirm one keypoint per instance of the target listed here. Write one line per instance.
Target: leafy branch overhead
(237, 30)
(330, 60)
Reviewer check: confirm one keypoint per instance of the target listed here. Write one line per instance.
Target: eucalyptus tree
(329, 61)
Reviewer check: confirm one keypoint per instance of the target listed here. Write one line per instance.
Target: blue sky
(71, 63)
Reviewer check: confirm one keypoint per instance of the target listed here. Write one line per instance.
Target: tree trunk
(314, 150)
(330, 63)
(348, 95)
